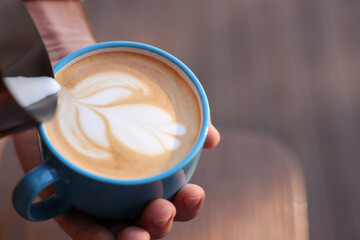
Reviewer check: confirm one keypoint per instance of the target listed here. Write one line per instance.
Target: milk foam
(29, 90)
(97, 106)
(124, 115)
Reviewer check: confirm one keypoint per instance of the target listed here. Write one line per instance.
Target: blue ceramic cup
(97, 195)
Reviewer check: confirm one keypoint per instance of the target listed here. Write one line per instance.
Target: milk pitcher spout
(28, 91)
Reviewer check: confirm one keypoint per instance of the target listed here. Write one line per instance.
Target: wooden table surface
(254, 188)
(282, 78)
(288, 69)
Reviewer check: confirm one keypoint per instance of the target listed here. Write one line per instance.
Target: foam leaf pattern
(73, 134)
(98, 109)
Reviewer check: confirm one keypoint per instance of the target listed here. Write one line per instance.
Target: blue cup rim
(189, 157)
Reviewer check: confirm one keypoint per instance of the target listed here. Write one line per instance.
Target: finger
(114, 227)
(81, 227)
(157, 218)
(133, 233)
(213, 137)
(188, 202)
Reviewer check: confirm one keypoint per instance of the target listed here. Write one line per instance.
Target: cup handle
(30, 186)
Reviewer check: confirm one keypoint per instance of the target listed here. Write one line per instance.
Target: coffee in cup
(131, 123)
(124, 115)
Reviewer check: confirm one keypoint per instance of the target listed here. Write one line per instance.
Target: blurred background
(283, 81)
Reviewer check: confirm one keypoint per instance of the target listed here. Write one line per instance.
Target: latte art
(97, 101)
(124, 115)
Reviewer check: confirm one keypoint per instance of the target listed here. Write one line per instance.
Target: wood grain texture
(284, 68)
(255, 190)
(278, 69)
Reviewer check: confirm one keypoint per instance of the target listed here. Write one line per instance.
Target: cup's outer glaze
(96, 195)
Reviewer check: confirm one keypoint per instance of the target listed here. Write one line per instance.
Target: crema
(124, 115)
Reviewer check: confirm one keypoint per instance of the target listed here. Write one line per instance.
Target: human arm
(64, 29)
